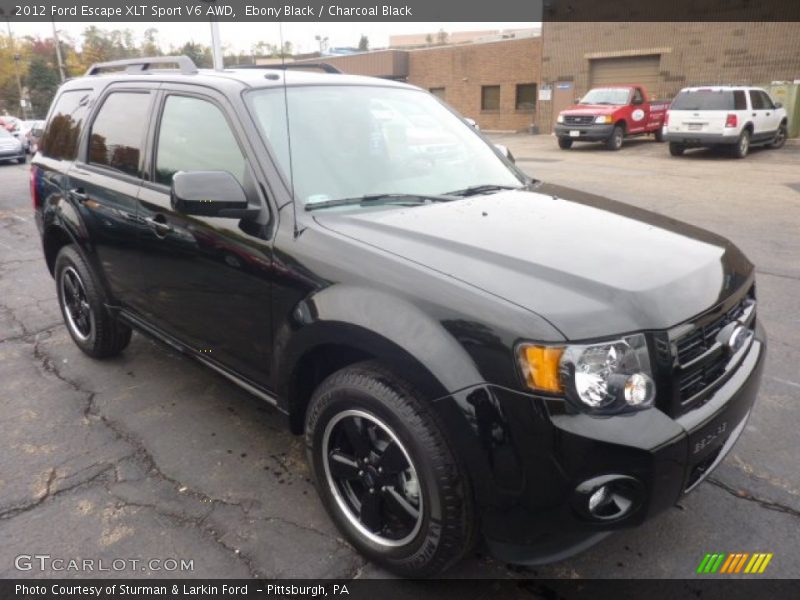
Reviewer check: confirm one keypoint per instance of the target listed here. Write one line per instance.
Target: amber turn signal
(540, 367)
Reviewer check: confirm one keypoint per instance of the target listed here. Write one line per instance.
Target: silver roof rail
(139, 65)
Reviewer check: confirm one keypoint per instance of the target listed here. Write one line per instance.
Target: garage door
(628, 69)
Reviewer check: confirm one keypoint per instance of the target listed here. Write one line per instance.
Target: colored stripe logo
(735, 562)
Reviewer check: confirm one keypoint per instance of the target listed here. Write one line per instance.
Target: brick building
(494, 83)
(663, 56)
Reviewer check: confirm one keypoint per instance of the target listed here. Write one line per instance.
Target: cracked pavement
(149, 455)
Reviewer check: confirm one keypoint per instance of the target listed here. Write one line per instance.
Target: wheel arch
(361, 325)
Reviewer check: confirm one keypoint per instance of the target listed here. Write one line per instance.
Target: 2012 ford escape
(471, 355)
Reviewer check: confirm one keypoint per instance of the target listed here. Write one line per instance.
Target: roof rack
(322, 66)
(139, 65)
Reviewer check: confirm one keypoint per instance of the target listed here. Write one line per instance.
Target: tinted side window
(117, 131)
(756, 100)
(637, 96)
(767, 101)
(194, 136)
(60, 140)
(739, 100)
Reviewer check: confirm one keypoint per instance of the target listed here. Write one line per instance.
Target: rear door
(105, 181)
(208, 278)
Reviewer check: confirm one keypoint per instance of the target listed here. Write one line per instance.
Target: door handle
(754, 114)
(159, 224)
(78, 194)
(768, 114)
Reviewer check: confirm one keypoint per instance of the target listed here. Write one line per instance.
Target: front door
(208, 278)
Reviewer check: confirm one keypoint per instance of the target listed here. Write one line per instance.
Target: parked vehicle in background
(11, 148)
(33, 135)
(736, 117)
(461, 371)
(610, 114)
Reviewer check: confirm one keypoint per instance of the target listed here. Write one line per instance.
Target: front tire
(780, 137)
(564, 143)
(93, 329)
(614, 141)
(386, 474)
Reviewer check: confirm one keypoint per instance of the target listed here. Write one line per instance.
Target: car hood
(591, 266)
(591, 109)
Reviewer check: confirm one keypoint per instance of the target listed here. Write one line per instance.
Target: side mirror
(37, 132)
(210, 194)
(505, 152)
(779, 105)
(472, 123)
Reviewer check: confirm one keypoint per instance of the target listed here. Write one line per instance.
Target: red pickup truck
(610, 114)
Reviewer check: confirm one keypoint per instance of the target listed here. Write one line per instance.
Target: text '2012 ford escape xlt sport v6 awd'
(469, 353)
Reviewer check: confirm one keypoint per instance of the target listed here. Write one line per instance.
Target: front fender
(378, 324)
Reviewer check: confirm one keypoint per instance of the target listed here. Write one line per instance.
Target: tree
(42, 82)
(429, 39)
(150, 46)
(441, 37)
(199, 53)
(363, 43)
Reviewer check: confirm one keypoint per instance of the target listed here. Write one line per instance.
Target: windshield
(615, 96)
(354, 141)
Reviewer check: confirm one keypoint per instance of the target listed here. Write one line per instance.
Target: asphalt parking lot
(151, 456)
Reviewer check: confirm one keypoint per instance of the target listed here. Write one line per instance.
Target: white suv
(734, 116)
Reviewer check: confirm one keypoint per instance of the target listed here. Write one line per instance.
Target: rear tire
(614, 141)
(676, 149)
(22, 160)
(742, 146)
(564, 143)
(419, 517)
(660, 135)
(780, 137)
(83, 306)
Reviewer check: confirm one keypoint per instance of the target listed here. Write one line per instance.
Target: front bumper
(12, 154)
(588, 133)
(527, 459)
(689, 138)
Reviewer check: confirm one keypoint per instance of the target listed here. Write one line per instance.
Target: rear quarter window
(60, 138)
(705, 100)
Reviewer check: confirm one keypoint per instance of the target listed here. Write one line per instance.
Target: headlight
(560, 118)
(608, 377)
(603, 119)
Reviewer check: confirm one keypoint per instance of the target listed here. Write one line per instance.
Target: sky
(240, 37)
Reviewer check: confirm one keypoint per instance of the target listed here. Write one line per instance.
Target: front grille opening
(701, 339)
(578, 119)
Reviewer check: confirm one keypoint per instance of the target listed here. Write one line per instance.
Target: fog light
(598, 498)
(608, 497)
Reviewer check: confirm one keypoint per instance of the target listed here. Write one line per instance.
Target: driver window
(637, 96)
(195, 136)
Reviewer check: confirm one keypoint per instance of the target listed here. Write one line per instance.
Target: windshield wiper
(379, 198)
(482, 189)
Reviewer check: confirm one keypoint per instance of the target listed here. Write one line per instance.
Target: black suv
(470, 354)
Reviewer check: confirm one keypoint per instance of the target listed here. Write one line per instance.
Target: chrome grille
(701, 359)
(578, 119)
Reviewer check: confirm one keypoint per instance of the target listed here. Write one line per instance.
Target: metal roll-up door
(627, 69)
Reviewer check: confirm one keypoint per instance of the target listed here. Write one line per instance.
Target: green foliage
(363, 43)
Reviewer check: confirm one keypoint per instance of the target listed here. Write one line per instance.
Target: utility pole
(216, 47)
(61, 71)
(22, 101)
